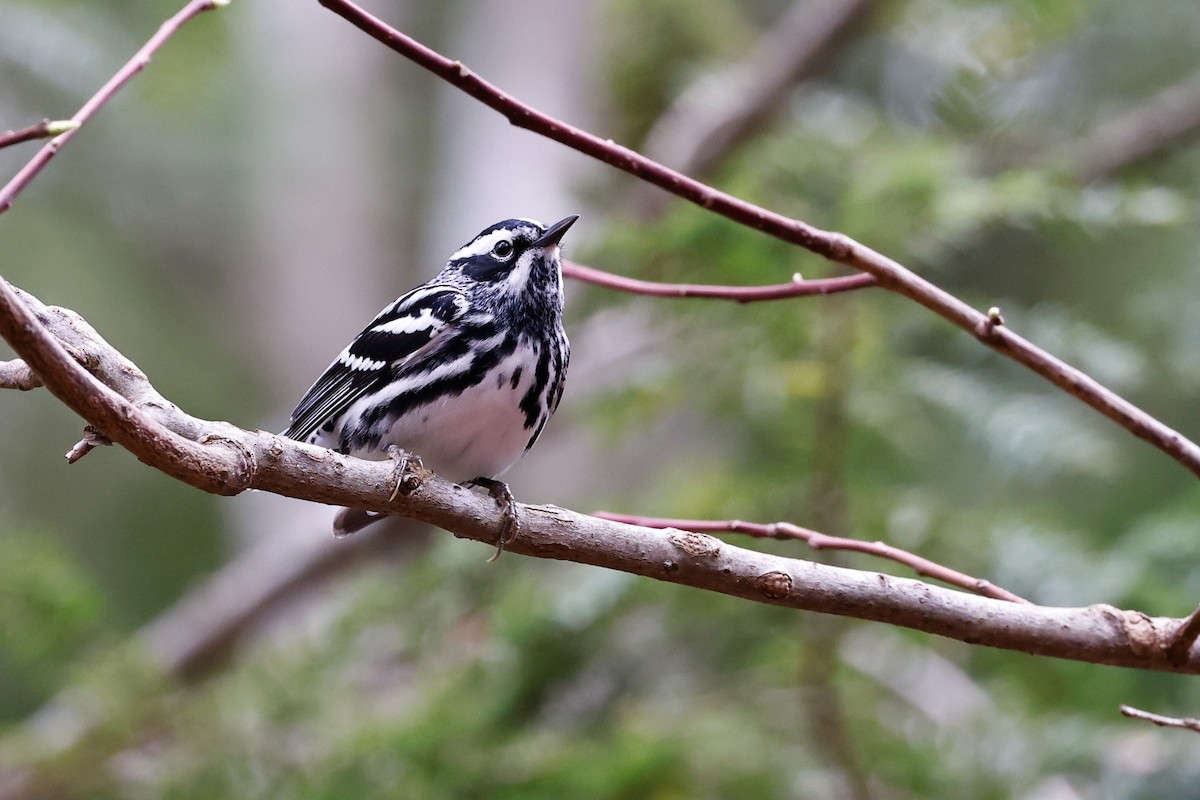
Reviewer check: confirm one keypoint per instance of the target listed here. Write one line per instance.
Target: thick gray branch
(218, 457)
(16, 375)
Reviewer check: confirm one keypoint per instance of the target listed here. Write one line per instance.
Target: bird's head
(517, 260)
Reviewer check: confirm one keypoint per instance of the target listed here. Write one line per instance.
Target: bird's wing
(400, 333)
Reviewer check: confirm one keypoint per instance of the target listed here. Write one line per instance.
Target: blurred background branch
(1164, 121)
(713, 118)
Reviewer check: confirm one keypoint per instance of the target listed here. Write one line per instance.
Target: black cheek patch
(486, 269)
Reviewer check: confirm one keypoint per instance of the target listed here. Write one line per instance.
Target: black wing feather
(401, 330)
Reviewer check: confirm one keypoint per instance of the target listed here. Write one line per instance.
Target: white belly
(479, 433)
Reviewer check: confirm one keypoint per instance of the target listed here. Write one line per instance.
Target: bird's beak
(554, 235)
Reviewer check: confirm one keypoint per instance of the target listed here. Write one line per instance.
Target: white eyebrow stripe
(482, 245)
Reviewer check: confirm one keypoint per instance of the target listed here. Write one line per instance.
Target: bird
(462, 372)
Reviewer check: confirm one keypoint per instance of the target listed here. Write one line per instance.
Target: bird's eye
(503, 249)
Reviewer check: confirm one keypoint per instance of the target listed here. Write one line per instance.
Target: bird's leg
(503, 496)
(406, 467)
(406, 472)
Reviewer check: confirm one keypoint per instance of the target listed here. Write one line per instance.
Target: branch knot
(234, 480)
(774, 585)
(697, 545)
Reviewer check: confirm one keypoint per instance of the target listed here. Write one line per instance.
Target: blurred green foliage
(943, 136)
(49, 609)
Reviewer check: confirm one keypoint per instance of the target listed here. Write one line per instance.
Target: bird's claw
(406, 477)
(406, 469)
(510, 521)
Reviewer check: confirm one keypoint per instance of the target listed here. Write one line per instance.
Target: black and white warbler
(462, 371)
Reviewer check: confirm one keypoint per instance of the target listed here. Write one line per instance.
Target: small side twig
(987, 327)
(798, 287)
(43, 130)
(1181, 643)
(92, 439)
(1186, 723)
(823, 541)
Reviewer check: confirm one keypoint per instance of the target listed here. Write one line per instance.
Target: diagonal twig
(97, 101)
(823, 541)
(836, 247)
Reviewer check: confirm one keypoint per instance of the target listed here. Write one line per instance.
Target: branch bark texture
(220, 458)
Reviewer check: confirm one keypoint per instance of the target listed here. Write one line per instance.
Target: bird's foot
(406, 477)
(406, 467)
(510, 521)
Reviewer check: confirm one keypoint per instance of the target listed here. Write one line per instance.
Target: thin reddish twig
(833, 246)
(43, 130)
(738, 294)
(1186, 723)
(823, 541)
(97, 101)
